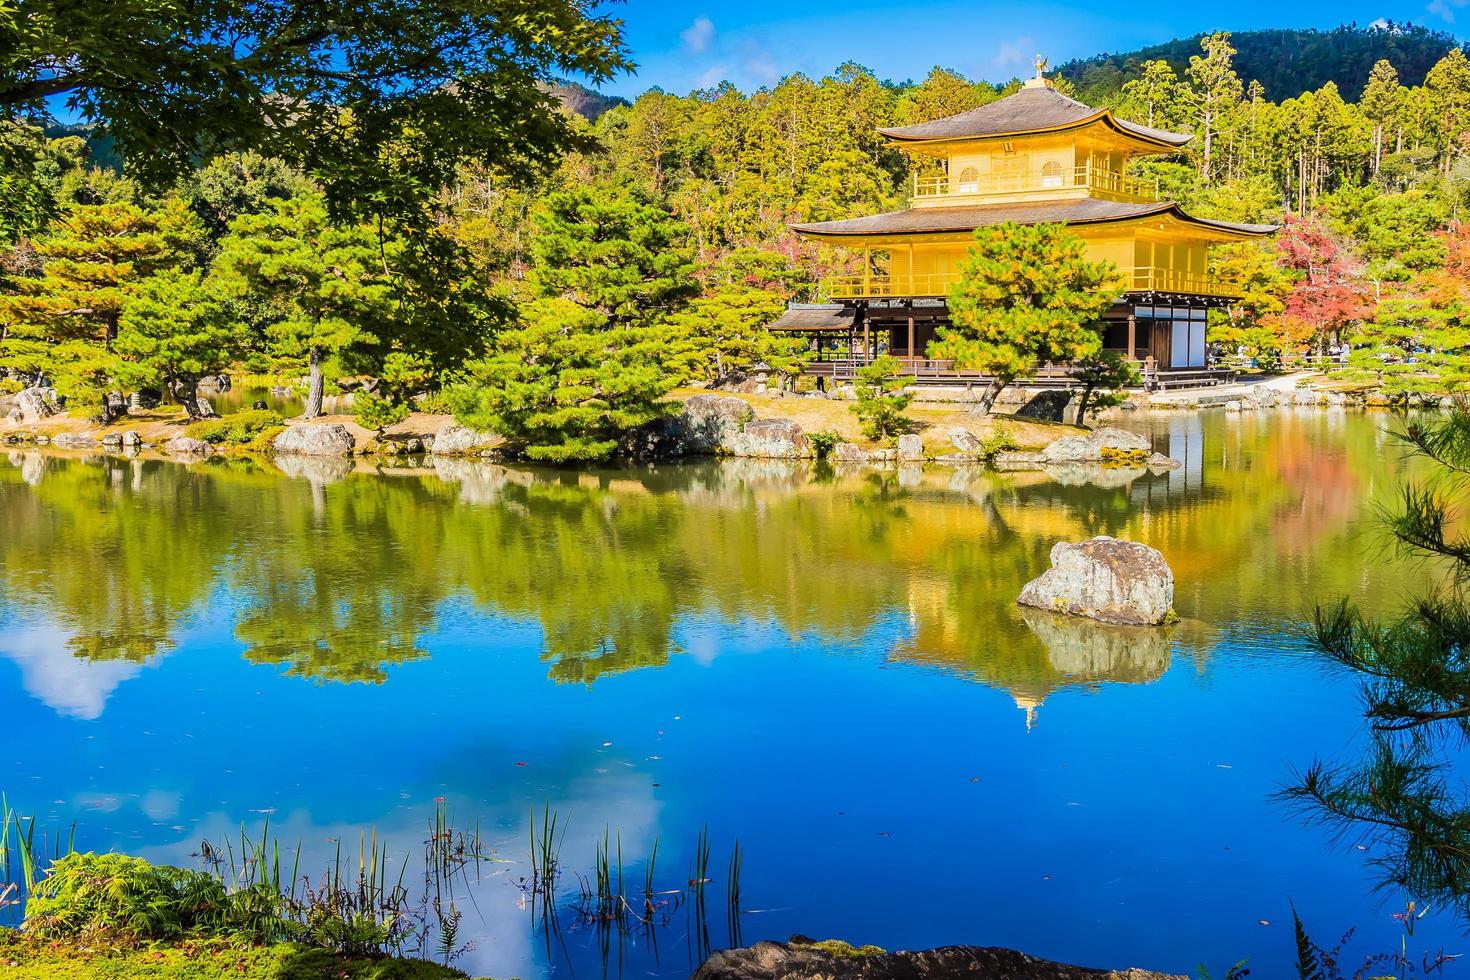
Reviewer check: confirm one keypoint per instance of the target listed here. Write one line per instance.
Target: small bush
(239, 429)
(432, 403)
(113, 893)
(1000, 440)
(824, 442)
(377, 413)
(882, 396)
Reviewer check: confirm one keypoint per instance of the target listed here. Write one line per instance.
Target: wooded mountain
(1285, 62)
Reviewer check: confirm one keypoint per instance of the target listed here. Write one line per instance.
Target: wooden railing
(934, 284)
(1086, 175)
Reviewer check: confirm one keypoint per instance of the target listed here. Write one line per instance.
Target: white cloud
(67, 684)
(698, 36)
(1017, 53)
(713, 76)
(1445, 9)
(760, 67)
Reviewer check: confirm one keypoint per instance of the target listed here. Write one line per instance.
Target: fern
(1307, 965)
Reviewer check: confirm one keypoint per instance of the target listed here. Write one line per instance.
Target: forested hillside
(1285, 62)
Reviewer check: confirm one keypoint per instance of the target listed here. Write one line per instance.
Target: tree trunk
(989, 395)
(316, 386)
(186, 393)
(1082, 405)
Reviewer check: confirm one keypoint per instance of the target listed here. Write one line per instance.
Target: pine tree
(324, 288)
(65, 322)
(174, 330)
(594, 354)
(1156, 97)
(882, 396)
(1026, 296)
(1447, 90)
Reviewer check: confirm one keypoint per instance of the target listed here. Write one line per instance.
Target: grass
(27, 958)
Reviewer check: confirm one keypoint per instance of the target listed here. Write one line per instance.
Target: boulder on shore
(185, 446)
(710, 423)
(306, 439)
(804, 960)
(848, 452)
(910, 448)
(456, 440)
(1098, 446)
(965, 441)
(1112, 581)
(35, 405)
(771, 439)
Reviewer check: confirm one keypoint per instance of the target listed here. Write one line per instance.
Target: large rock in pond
(805, 960)
(710, 423)
(456, 440)
(965, 441)
(910, 448)
(306, 439)
(1112, 581)
(1097, 446)
(771, 439)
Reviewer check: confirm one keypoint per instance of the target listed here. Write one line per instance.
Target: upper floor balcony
(969, 186)
(1140, 279)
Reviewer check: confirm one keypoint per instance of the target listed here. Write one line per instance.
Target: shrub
(377, 413)
(882, 396)
(86, 893)
(824, 442)
(1000, 440)
(238, 429)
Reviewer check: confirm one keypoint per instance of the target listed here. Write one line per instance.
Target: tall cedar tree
(1405, 799)
(325, 287)
(595, 352)
(1026, 296)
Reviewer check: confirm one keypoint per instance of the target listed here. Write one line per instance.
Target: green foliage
(373, 411)
(86, 893)
(1403, 796)
(824, 441)
(239, 429)
(596, 352)
(1027, 296)
(1000, 440)
(383, 137)
(1307, 965)
(173, 330)
(1103, 376)
(882, 397)
(323, 288)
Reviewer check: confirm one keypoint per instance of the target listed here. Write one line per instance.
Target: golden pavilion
(1032, 157)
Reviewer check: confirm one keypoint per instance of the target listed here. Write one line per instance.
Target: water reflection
(821, 662)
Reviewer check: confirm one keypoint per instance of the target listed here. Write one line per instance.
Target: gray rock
(1097, 446)
(184, 446)
(456, 440)
(955, 459)
(1112, 581)
(131, 439)
(306, 439)
(964, 440)
(35, 404)
(910, 448)
(710, 423)
(72, 440)
(800, 959)
(1018, 461)
(1307, 397)
(847, 452)
(113, 440)
(771, 439)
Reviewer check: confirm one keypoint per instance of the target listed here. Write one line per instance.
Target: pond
(827, 667)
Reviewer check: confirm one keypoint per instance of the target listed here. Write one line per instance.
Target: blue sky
(681, 46)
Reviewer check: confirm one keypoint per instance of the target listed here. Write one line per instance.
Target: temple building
(1036, 156)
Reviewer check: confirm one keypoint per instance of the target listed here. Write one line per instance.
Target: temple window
(969, 181)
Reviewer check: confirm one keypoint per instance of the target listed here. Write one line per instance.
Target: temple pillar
(1132, 334)
(911, 333)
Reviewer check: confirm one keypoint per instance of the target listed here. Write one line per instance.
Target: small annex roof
(817, 317)
(923, 221)
(1034, 109)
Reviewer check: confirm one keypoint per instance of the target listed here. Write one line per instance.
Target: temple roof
(919, 221)
(1034, 109)
(816, 316)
